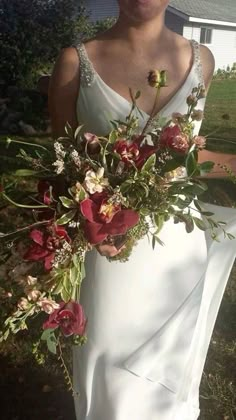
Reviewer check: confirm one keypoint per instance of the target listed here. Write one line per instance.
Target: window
(206, 36)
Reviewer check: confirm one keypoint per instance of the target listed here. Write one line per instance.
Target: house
(211, 22)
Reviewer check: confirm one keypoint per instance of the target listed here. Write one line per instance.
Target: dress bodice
(98, 104)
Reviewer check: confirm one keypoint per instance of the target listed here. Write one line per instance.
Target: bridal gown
(150, 319)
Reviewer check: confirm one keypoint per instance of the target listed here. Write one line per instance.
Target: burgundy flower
(173, 138)
(129, 152)
(45, 244)
(45, 196)
(104, 218)
(134, 152)
(69, 318)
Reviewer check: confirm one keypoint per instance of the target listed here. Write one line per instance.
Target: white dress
(150, 319)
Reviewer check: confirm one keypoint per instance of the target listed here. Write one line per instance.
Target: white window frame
(206, 28)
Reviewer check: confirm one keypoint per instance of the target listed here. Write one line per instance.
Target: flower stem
(65, 370)
(153, 113)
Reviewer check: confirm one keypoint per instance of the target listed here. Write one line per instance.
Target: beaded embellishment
(87, 71)
(197, 61)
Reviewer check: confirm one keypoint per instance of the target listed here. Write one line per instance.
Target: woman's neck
(140, 35)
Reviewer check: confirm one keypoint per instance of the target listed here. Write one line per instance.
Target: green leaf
(49, 336)
(67, 202)
(159, 221)
(149, 164)
(67, 217)
(112, 136)
(77, 131)
(25, 172)
(200, 223)
(191, 164)
(206, 167)
(46, 334)
(69, 130)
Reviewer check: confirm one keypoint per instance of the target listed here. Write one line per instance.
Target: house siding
(101, 9)
(223, 45)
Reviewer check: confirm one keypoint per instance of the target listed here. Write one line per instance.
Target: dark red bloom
(129, 152)
(45, 195)
(69, 317)
(104, 218)
(45, 244)
(134, 152)
(44, 192)
(173, 138)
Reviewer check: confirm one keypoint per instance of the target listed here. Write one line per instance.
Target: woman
(149, 319)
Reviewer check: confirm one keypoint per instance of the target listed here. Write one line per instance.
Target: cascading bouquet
(93, 189)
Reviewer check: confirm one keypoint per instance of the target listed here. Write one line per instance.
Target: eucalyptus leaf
(200, 223)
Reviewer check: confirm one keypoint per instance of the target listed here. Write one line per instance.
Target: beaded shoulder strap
(197, 61)
(87, 71)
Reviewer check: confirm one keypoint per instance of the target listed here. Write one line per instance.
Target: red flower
(104, 218)
(45, 196)
(129, 152)
(173, 138)
(134, 152)
(45, 244)
(69, 317)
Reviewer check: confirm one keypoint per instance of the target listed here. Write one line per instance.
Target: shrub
(33, 32)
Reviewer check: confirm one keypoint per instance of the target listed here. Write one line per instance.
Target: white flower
(59, 166)
(32, 294)
(23, 304)
(59, 149)
(94, 181)
(75, 157)
(48, 305)
(31, 281)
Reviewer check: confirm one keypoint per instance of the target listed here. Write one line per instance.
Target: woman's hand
(109, 250)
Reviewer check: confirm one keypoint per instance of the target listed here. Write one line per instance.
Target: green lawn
(221, 102)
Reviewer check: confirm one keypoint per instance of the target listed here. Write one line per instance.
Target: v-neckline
(169, 102)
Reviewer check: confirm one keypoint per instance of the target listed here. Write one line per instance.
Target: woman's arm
(63, 91)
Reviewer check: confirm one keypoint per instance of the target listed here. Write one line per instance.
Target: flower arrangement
(92, 189)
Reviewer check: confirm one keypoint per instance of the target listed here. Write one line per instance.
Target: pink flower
(172, 138)
(104, 218)
(93, 143)
(45, 244)
(69, 317)
(200, 141)
(47, 305)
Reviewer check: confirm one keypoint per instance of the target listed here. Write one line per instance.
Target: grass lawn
(221, 101)
(32, 392)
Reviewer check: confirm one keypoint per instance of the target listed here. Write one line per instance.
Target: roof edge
(190, 18)
(177, 12)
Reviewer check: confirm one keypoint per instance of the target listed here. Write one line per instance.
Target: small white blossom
(31, 281)
(75, 157)
(94, 181)
(59, 149)
(59, 164)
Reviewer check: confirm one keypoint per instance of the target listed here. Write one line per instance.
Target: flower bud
(202, 93)
(93, 143)
(200, 141)
(157, 78)
(191, 100)
(197, 115)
